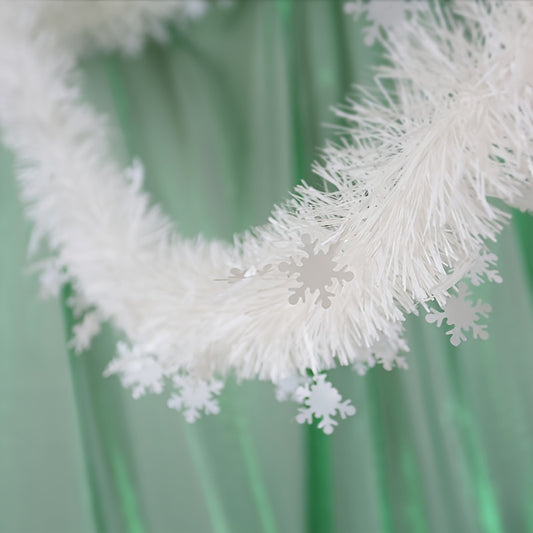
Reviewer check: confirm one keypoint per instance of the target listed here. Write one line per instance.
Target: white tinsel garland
(329, 279)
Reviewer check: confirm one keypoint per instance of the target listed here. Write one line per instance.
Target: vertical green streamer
(217, 516)
(105, 441)
(488, 514)
(319, 482)
(523, 222)
(253, 471)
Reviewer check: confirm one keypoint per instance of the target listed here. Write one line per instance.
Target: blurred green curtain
(226, 118)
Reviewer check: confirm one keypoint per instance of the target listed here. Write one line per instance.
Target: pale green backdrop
(227, 117)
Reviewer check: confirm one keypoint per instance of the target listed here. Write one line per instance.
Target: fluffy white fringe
(408, 203)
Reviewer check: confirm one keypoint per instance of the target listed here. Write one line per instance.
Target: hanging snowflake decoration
(321, 400)
(363, 364)
(461, 313)
(381, 16)
(238, 274)
(84, 331)
(195, 396)
(384, 352)
(381, 353)
(137, 370)
(481, 270)
(287, 389)
(52, 277)
(316, 272)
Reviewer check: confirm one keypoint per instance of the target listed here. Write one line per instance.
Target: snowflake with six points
(195, 395)
(482, 269)
(316, 272)
(287, 388)
(323, 401)
(137, 370)
(382, 15)
(461, 313)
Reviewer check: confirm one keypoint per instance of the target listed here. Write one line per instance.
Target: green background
(227, 118)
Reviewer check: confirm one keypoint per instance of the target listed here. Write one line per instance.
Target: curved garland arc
(329, 279)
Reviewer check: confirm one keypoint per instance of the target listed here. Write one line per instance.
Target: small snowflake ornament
(194, 396)
(78, 304)
(384, 352)
(315, 272)
(53, 276)
(385, 14)
(84, 331)
(461, 313)
(134, 174)
(481, 270)
(238, 274)
(287, 389)
(323, 401)
(137, 370)
(363, 364)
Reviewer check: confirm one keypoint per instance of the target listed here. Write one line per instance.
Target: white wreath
(329, 279)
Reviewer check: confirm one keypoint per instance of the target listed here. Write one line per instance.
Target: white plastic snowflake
(78, 304)
(363, 364)
(134, 174)
(461, 313)
(316, 272)
(238, 274)
(383, 352)
(195, 395)
(482, 270)
(53, 277)
(323, 401)
(385, 14)
(137, 370)
(286, 389)
(84, 331)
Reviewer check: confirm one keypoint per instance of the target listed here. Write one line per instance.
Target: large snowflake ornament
(315, 272)
(482, 269)
(461, 313)
(323, 401)
(137, 370)
(194, 396)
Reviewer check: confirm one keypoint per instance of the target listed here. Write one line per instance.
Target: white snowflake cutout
(84, 331)
(194, 396)
(78, 304)
(286, 389)
(461, 313)
(134, 174)
(323, 401)
(384, 352)
(382, 14)
(482, 270)
(53, 276)
(238, 274)
(315, 272)
(137, 370)
(363, 364)
(196, 8)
